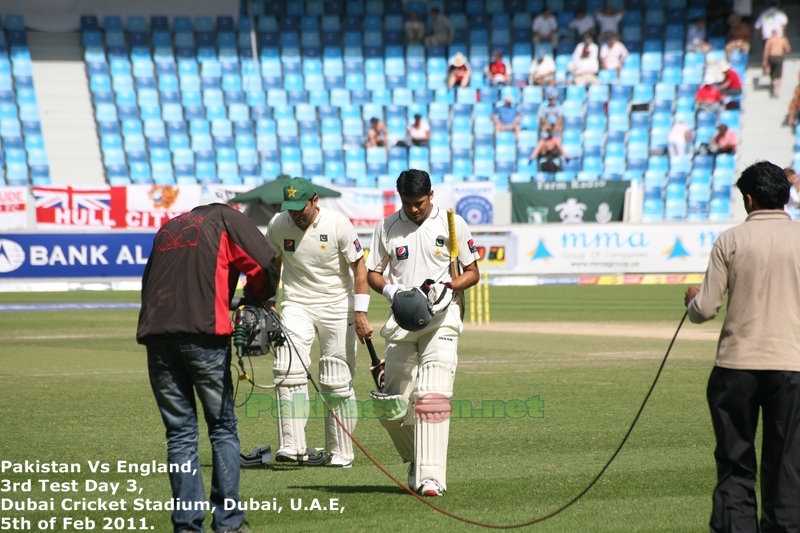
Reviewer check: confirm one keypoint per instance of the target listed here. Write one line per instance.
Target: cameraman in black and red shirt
(187, 287)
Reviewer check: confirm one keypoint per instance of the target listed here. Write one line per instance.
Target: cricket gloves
(390, 290)
(440, 295)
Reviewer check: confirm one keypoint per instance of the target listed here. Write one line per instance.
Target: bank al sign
(74, 255)
(616, 248)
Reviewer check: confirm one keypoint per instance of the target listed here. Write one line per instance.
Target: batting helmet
(410, 309)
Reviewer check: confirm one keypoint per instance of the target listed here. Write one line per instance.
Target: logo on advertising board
(677, 251)
(12, 256)
(475, 209)
(541, 252)
(163, 196)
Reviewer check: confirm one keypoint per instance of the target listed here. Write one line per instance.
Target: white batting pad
(292, 417)
(432, 429)
(336, 386)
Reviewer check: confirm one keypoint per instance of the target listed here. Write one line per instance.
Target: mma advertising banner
(568, 202)
(134, 206)
(74, 255)
(616, 248)
(365, 207)
(12, 208)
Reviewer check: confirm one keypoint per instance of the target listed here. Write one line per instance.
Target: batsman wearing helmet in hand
(410, 264)
(317, 249)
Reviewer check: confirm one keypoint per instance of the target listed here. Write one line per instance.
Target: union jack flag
(98, 199)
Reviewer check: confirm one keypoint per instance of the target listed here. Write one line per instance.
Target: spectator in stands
(582, 24)
(770, 19)
(497, 71)
(679, 139)
(543, 69)
(550, 114)
(377, 134)
(418, 133)
(696, 37)
(739, 36)
(584, 64)
(744, 9)
(712, 75)
(441, 30)
(774, 49)
(458, 71)
(608, 20)
(731, 84)
(794, 192)
(507, 117)
(549, 151)
(708, 98)
(545, 28)
(414, 29)
(613, 54)
(794, 107)
(724, 142)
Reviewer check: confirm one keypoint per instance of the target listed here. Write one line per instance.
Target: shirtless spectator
(549, 151)
(582, 24)
(377, 134)
(739, 36)
(794, 107)
(458, 71)
(774, 49)
(608, 20)
(414, 29)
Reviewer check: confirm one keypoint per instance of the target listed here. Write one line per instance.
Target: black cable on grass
(529, 522)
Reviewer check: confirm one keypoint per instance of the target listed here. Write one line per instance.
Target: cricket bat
(377, 368)
(451, 228)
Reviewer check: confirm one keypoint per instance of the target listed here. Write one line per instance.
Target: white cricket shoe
(430, 487)
(337, 461)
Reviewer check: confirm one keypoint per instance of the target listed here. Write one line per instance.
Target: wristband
(360, 303)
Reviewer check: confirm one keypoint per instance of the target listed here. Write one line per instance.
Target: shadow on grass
(350, 489)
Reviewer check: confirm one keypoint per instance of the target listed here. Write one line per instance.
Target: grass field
(74, 389)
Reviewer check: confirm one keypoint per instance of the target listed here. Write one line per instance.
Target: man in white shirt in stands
(613, 54)
(545, 27)
(609, 21)
(771, 19)
(585, 64)
(582, 24)
(318, 249)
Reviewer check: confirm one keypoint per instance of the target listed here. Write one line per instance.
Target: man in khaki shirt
(758, 358)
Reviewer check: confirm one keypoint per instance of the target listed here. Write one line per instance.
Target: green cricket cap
(296, 194)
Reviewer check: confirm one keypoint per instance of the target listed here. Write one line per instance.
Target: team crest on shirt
(440, 241)
(288, 245)
(357, 245)
(323, 238)
(401, 252)
(471, 244)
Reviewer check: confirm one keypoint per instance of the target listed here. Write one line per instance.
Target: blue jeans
(179, 366)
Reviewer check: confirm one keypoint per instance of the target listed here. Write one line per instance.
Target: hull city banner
(569, 202)
(109, 207)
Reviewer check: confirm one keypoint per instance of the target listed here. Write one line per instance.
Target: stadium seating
(301, 100)
(23, 158)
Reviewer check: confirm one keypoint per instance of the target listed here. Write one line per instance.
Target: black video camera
(255, 329)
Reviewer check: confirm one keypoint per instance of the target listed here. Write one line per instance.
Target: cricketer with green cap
(317, 248)
(296, 194)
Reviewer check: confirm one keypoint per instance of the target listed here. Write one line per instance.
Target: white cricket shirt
(316, 262)
(408, 254)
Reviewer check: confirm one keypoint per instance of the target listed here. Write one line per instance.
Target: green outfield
(554, 381)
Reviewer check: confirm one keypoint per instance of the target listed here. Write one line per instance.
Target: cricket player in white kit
(408, 247)
(317, 248)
